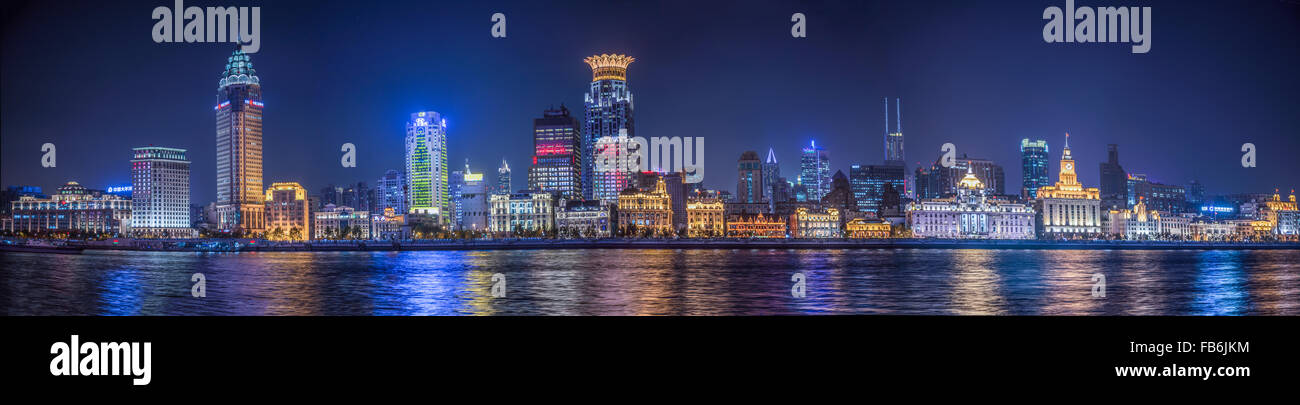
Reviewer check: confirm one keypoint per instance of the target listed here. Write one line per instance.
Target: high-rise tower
(426, 166)
(894, 140)
(609, 113)
(160, 197)
(1114, 181)
(771, 172)
(815, 171)
(503, 178)
(239, 106)
(557, 154)
(749, 179)
(1033, 161)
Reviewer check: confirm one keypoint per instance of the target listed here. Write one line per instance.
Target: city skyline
(294, 152)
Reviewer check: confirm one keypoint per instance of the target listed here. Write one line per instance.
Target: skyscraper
(1033, 161)
(391, 191)
(239, 147)
(1195, 196)
(869, 183)
(815, 171)
(609, 111)
(557, 154)
(771, 172)
(503, 178)
(1114, 181)
(894, 140)
(160, 199)
(749, 179)
(426, 166)
(455, 183)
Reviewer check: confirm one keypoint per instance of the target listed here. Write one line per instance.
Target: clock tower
(1068, 177)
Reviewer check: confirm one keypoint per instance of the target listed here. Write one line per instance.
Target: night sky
(87, 77)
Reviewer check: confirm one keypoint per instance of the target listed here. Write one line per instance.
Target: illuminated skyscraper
(815, 171)
(870, 182)
(160, 200)
(894, 140)
(239, 147)
(1033, 161)
(771, 172)
(557, 154)
(609, 111)
(426, 166)
(503, 178)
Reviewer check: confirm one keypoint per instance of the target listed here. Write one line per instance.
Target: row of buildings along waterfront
(565, 194)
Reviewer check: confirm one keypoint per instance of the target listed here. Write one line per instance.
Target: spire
(898, 113)
(1065, 151)
(886, 116)
(771, 155)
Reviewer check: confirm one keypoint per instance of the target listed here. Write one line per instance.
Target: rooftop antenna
(886, 116)
(899, 113)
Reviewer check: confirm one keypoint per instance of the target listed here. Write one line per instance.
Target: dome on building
(971, 182)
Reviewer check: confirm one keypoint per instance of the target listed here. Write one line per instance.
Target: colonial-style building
(338, 222)
(73, 208)
(639, 209)
(970, 214)
(704, 217)
(591, 218)
(1067, 209)
(861, 228)
(389, 226)
(805, 223)
(1135, 224)
(527, 211)
(1275, 209)
(756, 226)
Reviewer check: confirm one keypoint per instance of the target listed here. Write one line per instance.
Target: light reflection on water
(656, 282)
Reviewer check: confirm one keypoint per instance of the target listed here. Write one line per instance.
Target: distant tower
(894, 140)
(815, 171)
(503, 178)
(771, 172)
(1033, 161)
(557, 154)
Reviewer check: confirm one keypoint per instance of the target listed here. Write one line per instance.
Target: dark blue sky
(88, 77)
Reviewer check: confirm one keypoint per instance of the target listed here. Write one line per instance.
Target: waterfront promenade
(258, 245)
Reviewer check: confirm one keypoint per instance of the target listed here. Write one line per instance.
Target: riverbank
(246, 245)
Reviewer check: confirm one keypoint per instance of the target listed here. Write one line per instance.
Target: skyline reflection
(656, 282)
